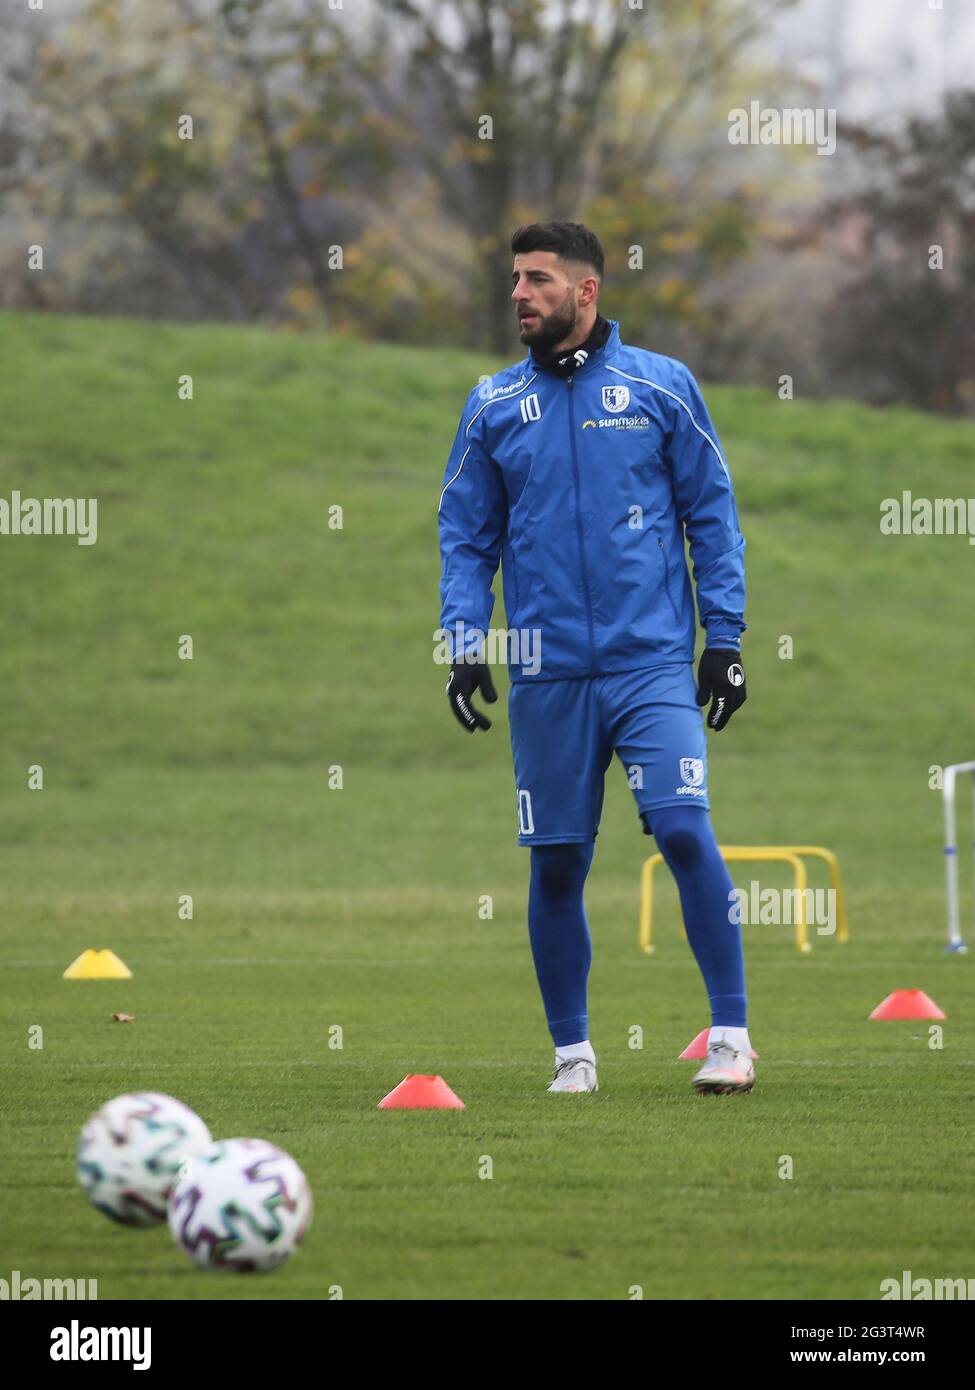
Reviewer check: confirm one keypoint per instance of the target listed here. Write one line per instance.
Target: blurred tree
(517, 110)
(238, 220)
(412, 136)
(903, 328)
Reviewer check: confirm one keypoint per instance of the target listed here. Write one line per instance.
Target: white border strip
(514, 396)
(657, 387)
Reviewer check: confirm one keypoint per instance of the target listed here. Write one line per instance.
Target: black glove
(465, 678)
(720, 675)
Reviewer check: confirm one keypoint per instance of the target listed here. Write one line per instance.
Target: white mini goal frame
(955, 942)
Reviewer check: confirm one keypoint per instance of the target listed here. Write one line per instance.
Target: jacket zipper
(582, 552)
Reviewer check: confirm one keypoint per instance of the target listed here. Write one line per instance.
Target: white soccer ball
(240, 1204)
(130, 1153)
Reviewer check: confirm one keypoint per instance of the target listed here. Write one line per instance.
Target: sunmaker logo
(619, 422)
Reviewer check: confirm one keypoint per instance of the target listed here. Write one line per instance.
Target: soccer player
(580, 470)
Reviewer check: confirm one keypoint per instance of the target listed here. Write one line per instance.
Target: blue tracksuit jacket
(583, 488)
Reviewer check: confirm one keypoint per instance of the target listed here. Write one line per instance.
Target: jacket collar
(570, 364)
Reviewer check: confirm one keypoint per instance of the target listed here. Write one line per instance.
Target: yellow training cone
(97, 965)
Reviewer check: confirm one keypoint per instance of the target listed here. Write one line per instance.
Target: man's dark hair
(570, 241)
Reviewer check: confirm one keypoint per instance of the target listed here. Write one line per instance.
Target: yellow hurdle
(737, 854)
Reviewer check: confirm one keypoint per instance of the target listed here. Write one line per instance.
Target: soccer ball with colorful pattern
(241, 1204)
(130, 1152)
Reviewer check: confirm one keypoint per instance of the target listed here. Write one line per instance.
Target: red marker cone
(907, 1003)
(697, 1050)
(421, 1093)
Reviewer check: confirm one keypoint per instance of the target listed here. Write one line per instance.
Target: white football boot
(574, 1074)
(726, 1071)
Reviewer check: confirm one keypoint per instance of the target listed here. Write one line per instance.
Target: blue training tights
(559, 932)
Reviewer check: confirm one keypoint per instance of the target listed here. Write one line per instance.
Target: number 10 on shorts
(526, 822)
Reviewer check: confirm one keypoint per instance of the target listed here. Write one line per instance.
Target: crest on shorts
(615, 398)
(691, 772)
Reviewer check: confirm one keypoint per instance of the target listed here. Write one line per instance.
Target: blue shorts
(564, 734)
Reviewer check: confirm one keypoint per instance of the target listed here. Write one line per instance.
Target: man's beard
(554, 328)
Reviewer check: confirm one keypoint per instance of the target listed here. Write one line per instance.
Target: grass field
(359, 907)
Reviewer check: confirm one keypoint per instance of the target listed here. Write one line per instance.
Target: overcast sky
(881, 55)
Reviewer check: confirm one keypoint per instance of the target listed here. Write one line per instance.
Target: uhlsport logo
(488, 392)
(616, 399)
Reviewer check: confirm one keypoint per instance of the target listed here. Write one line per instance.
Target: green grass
(359, 906)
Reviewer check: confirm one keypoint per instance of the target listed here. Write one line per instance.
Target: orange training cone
(907, 1003)
(697, 1050)
(421, 1093)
